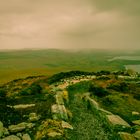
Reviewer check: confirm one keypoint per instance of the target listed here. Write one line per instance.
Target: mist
(74, 24)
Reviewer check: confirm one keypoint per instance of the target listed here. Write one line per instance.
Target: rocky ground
(51, 111)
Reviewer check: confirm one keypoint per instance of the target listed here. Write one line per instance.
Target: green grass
(20, 64)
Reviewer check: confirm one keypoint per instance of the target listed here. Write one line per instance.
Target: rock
(105, 111)
(137, 135)
(59, 98)
(22, 106)
(66, 125)
(30, 125)
(54, 134)
(17, 128)
(134, 113)
(117, 120)
(33, 117)
(12, 137)
(94, 105)
(59, 112)
(126, 136)
(5, 132)
(26, 137)
(136, 122)
(19, 135)
(1, 129)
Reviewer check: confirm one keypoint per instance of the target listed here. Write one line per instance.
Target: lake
(133, 67)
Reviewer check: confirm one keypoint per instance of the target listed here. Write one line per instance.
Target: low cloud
(69, 24)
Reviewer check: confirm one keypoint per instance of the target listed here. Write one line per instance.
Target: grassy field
(20, 64)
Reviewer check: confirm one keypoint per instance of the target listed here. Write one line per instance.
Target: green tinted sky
(70, 24)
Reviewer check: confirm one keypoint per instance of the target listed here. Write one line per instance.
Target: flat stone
(26, 137)
(93, 103)
(126, 136)
(17, 128)
(12, 137)
(137, 135)
(66, 125)
(105, 111)
(54, 134)
(136, 122)
(117, 120)
(23, 106)
(1, 129)
(134, 113)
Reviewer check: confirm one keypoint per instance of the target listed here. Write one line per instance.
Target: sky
(70, 24)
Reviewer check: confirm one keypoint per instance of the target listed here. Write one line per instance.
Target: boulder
(33, 117)
(12, 137)
(17, 128)
(136, 122)
(26, 137)
(137, 135)
(117, 120)
(1, 129)
(66, 125)
(126, 136)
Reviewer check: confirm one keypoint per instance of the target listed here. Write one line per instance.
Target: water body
(134, 67)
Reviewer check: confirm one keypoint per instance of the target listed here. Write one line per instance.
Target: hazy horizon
(72, 25)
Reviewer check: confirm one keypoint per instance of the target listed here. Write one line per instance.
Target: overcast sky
(68, 24)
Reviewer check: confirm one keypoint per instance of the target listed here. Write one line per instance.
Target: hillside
(71, 106)
(20, 64)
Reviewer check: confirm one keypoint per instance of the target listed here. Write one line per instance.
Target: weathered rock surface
(59, 112)
(134, 113)
(137, 135)
(66, 125)
(59, 98)
(12, 137)
(117, 120)
(136, 122)
(26, 137)
(126, 136)
(33, 117)
(22, 106)
(17, 128)
(54, 134)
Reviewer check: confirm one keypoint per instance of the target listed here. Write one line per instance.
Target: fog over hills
(74, 24)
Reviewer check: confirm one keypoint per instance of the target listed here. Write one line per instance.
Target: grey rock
(17, 128)
(26, 137)
(117, 120)
(126, 136)
(12, 137)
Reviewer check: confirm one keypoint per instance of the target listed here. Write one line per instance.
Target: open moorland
(20, 64)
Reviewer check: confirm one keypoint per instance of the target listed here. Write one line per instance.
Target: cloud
(69, 24)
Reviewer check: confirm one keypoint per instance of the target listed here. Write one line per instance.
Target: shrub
(2, 93)
(98, 91)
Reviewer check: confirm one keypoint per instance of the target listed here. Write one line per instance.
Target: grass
(87, 125)
(20, 64)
